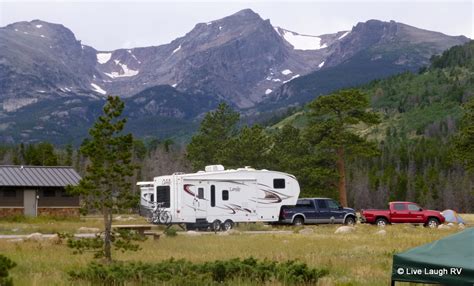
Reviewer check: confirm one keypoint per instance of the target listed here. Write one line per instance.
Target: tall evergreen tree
(249, 148)
(106, 186)
(293, 154)
(331, 129)
(216, 129)
(464, 141)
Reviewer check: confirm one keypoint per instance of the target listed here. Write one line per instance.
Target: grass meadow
(359, 258)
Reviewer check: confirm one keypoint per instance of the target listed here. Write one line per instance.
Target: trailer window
(213, 196)
(163, 196)
(200, 193)
(278, 183)
(225, 195)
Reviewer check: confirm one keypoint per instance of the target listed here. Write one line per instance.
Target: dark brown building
(33, 191)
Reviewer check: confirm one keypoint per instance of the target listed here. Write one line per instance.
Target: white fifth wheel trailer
(220, 198)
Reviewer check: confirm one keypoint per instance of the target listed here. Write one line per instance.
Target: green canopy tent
(448, 261)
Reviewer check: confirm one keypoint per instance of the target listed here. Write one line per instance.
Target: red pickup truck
(402, 212)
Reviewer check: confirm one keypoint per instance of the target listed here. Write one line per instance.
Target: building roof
(38, 176)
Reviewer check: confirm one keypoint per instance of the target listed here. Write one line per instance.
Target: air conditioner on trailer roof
(214, 168)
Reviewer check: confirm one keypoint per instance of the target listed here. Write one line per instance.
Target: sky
(108, 25)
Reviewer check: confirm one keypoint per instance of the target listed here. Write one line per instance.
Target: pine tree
(464, 140)
(106, 186)
(249, 148)
(331, 129)
(215, 132)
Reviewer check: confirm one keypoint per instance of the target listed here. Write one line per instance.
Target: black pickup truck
(315, 211)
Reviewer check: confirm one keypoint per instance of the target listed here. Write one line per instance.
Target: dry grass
(359, 258)
(22, 225)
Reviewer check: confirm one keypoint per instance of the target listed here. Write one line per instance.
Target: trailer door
(201, 201)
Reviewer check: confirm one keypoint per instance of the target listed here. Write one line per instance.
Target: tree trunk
(108, 235)
(341, 170)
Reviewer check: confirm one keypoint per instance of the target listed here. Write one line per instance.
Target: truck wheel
(227, 225)
(297, 221)
(432, 222)
(216, 225)
(381, 221)
(350, 220)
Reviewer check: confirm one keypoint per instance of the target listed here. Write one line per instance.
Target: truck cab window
(413, 207)
(322, 204)
(278, 183)
(225, 195)
(333, 205)
(200, 193)
(303, 204)
(399, 207)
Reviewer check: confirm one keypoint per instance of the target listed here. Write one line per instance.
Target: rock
(35, 236)
(84, 229)
(344, 229)
(381, 232)
(306, 231)
(16, 240)
(234, 232)
(461, 226)
(450, 224)
(443, 226)
(120, 218)
(193, 233)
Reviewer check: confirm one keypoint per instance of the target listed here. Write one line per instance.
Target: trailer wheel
(216, 225)
(227, 225)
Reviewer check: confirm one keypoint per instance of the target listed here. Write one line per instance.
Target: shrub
(183, 272)
(170, 232)
(5, 265)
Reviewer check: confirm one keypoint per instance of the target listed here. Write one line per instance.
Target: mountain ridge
(241, 59)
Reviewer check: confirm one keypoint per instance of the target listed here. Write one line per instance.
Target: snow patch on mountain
(286, 72)
(321, 65)
(268, 91)
(39, 26)
(126, 72)
(343, 35)
(292, 78)
(102, 58)
(177, 49)
(98, 89)
(301, 42)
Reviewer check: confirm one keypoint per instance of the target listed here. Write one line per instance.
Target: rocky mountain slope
(49, 80)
